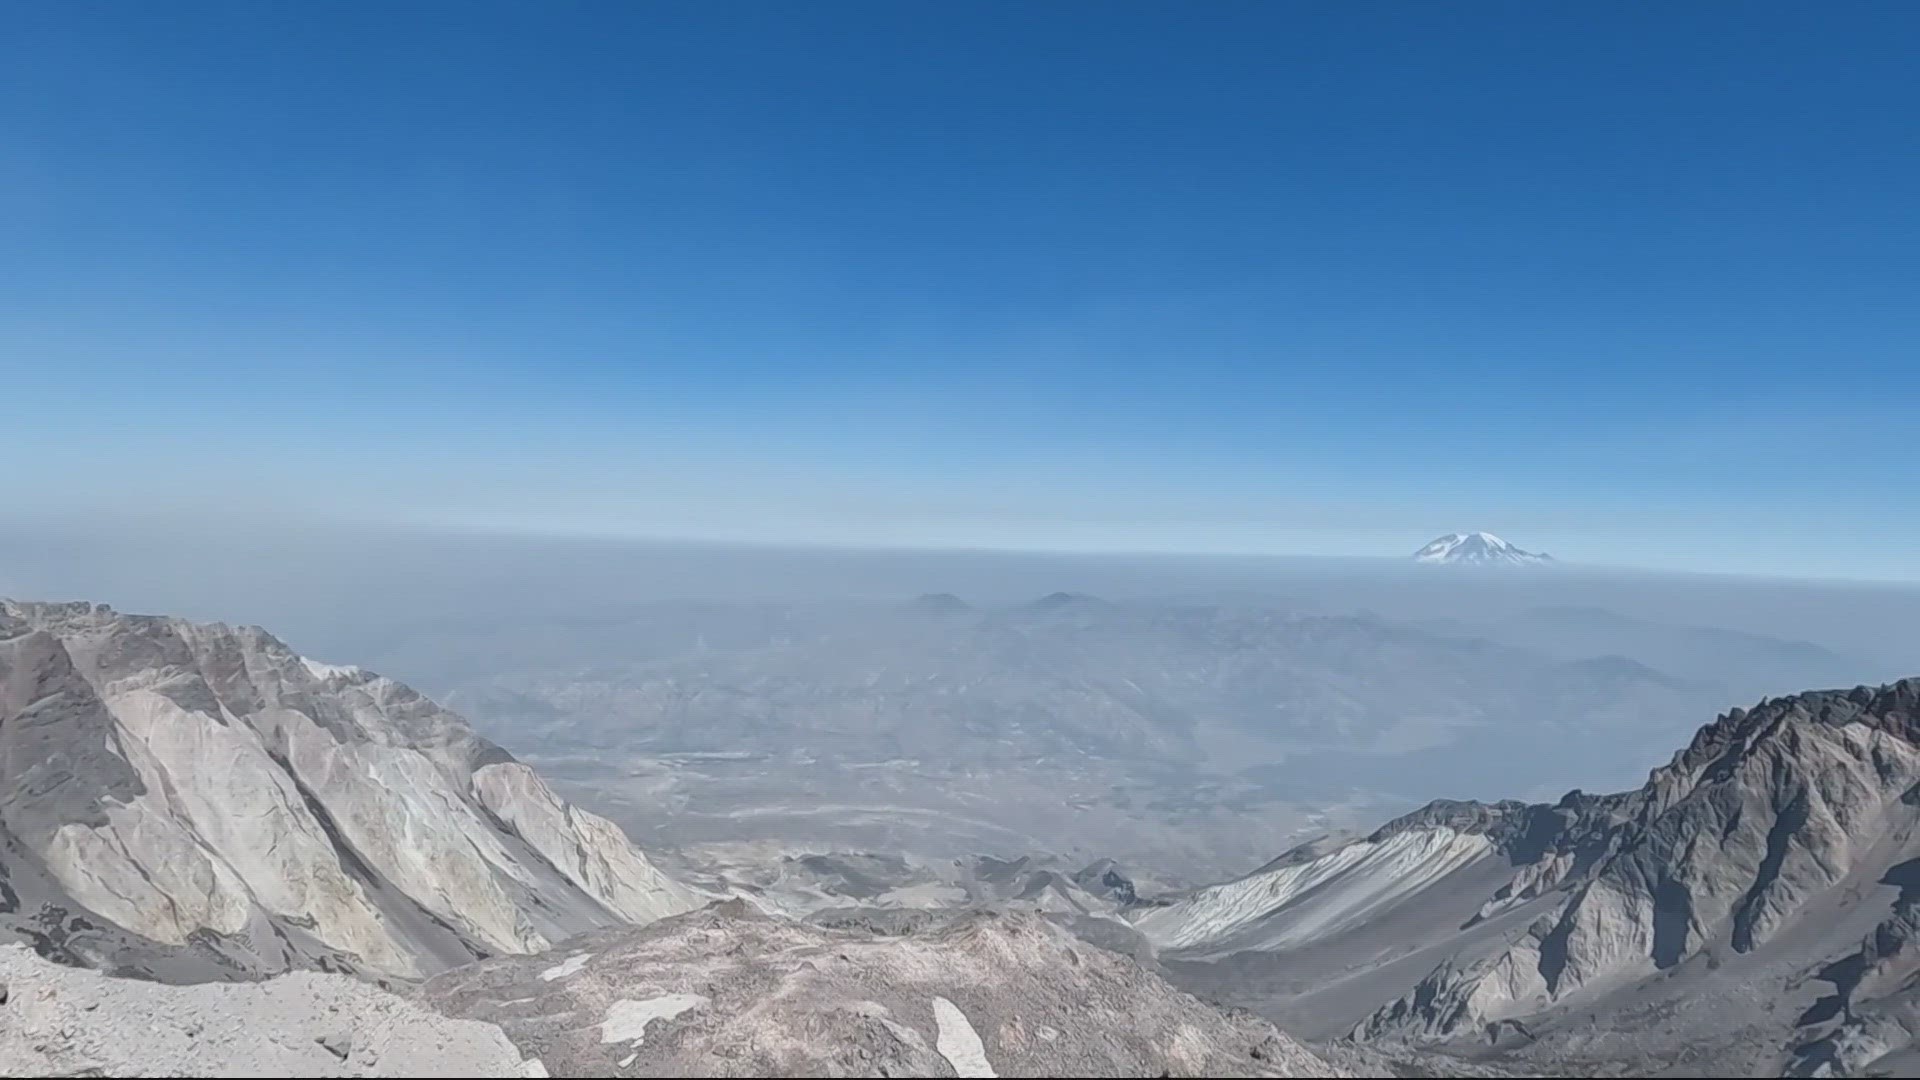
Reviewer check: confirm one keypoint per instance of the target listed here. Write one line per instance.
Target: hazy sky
(1633, 285)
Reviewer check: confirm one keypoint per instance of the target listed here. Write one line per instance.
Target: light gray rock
(65, 1021)
(337, 1043)
(177, 791)
(728, 991)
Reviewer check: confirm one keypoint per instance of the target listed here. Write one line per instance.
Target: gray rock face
(191, 800)
(725, 991)
(1759, 816)
(1768, 863)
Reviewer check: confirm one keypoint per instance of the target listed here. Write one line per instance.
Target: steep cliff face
(1752, 904)
(206, 790)
(1758, 818)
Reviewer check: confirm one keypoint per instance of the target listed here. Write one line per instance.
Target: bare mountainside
(1749, 910)
(192, 801)
(725, 991)
(1178, 736)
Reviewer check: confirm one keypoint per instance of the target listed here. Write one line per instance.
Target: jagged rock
(1781, 842)
(1103, 877)
(1849, 1049)
(337, 1043)
(1760, 814)
(193, 791)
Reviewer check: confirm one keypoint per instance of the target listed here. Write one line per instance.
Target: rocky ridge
(1753, 903)
(197, 800)
(730, 991)
(1746, 828)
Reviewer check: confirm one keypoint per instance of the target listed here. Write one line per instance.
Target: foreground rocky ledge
(64, 1021)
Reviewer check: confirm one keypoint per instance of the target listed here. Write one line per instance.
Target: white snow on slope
(1480, 548)
(958, 1042)
(627, 1019)
(570, 966)
(324, 672)
(1304, 901)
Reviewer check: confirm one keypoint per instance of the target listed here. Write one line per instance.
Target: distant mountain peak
(940, 603)
(1477, 549)
(1063, 599)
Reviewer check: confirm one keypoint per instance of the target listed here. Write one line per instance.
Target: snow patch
(566, 967)
(958, 1042)
(325, 672)
(627, 1019)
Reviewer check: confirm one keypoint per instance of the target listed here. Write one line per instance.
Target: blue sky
(1634, 284)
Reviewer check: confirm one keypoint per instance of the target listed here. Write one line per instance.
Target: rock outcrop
(727, 991)
(186, 799)
(1756, 820)
(1752, 907)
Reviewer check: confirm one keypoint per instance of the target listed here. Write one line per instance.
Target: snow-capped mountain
(1477, 549)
